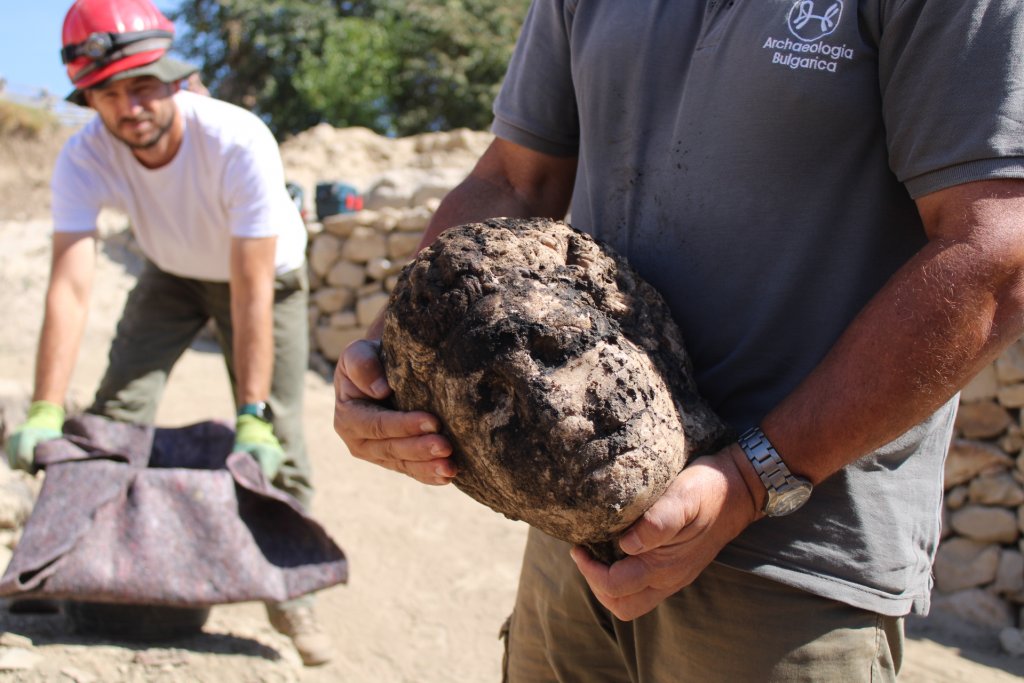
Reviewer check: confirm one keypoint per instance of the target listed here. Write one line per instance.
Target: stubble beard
(155, 138)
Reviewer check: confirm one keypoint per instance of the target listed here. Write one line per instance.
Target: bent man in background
(203, 185)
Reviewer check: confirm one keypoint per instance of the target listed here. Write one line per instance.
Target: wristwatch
(786, 491)
(259, 409)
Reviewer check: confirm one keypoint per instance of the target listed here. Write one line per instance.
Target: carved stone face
(558, 375)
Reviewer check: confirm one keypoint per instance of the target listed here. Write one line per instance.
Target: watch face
(787, 501)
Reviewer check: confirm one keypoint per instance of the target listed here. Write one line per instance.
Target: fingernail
(630, 543)
(428, 427)
(574, 553)
(442, 471)
(380, 387)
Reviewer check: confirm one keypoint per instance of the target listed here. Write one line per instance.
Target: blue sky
(30, 43)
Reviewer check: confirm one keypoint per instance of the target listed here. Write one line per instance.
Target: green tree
(452, 56)
(398, 67)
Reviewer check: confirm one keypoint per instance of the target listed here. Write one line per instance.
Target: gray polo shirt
(756, 161)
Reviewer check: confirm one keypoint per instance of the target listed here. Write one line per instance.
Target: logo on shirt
(810, 21)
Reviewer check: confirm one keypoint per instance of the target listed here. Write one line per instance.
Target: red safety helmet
(102, 38)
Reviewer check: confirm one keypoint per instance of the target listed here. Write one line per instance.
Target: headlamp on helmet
(103, 47)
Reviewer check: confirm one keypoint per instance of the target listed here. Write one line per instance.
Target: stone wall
(354, 260)
(354, 257)
(979, 571)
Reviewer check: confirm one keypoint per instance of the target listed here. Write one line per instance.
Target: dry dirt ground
(432, 572)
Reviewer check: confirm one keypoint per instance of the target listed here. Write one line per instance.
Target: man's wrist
(753, 483)
(258, 409)
(45, 414)
(785, 492)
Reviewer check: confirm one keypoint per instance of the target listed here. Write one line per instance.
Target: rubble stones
(323, 253)
(557, 372)
(332, 340)
(969, 459)
(984, 386)
(1010, 573)
(346, 274)
(982, 420)
(369, 306)
(985, 523)
(364, 245)
(332, 299)
(976, 606)
(963, 563)
(957, 497)
(1011, 396)
(1010, 366)
(402, 244)
(996, 489)
(1012, 641)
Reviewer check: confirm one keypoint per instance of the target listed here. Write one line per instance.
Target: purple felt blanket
(133, 514)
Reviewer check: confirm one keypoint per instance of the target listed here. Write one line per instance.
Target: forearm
(252, 320)
(945, 315)
(253, 347)
(66, 310)
(59, 340)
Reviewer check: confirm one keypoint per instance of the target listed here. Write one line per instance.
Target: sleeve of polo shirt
(952, 84)
(256, 199)
(536, 107)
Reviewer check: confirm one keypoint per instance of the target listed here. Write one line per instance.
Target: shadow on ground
(54, 628)
(974, 643)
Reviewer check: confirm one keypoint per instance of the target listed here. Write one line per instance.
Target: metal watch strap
(766, 460)
(772, 471)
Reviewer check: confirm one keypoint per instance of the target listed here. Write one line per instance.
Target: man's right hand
(406, 442)
(45, 421)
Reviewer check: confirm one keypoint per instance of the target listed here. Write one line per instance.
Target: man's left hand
(256, 437)
(706, 506)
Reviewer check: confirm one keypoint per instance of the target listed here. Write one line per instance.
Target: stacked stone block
(354, 260)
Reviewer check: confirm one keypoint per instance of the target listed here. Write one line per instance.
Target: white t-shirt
(226, 180)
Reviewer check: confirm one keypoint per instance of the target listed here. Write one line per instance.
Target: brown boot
(298, 622)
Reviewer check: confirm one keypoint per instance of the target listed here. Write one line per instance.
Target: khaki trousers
(728, 626)
(161, 318)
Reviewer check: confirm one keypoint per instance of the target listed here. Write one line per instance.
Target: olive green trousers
(161, 318)
(728, 626)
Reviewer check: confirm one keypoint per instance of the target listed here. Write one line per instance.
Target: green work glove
(45, 421)
(255, 436)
